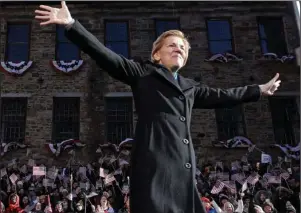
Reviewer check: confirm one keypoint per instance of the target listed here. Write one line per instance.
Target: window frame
(156, 20)
(258, 18)
(237, 109)
(8, 23)
(131, 116)
(281, 98)
(54, 134)
(127, 22)
(229, 20)
(25, 102)
(57, 43)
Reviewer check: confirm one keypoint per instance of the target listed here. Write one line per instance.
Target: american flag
(285, 175)
(109, 179)
(239, 177)
(118, 172)
(103, 172)
(244, 186)
(230, 185)
(223, 175)
(39, 170)
(267, 175)
(274, 179)
(217, 188)
(253, 178)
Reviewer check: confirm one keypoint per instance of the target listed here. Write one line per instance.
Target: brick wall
(91, 84)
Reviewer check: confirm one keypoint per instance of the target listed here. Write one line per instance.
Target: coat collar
(181, 84)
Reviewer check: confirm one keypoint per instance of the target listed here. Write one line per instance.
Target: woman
(104, 206)
(163, 158)
(38, 208)
(14, 204)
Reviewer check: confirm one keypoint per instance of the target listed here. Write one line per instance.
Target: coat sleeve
(209, 98)
(116, 65)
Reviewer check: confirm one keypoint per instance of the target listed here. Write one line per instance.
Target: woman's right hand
(51, 15)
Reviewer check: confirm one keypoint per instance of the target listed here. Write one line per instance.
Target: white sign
(265, 158)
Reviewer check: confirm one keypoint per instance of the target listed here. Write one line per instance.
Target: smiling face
(103, 201)
(172, 53)
(171, 50)
(228, 207)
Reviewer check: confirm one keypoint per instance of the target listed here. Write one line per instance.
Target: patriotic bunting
(15, 68)
(223, 58)
(66, 67)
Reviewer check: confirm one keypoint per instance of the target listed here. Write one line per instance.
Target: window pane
(65, 119)
(67, 52)
(220, 46)
(230, 122)
(269, 47)
(119, 48)
(18, 33)
(116, 31)
(13, 119)
(60, 34)
(271, 29)
(162, 26)
(262, 32)
(17, 52)
(285, 119)
(219, 30)
(65, 131)
(119, 119)
(264, 46)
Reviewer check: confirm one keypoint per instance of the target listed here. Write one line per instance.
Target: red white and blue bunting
(67, 67)
(277, 58)
(237, 141)
(57, 148)
(15, 68)
(223, 58)
(11, 146)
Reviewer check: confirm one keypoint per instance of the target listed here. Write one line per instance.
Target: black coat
(163, 158)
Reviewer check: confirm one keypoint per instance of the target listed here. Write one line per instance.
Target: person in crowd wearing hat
(163, 158)
(207, 204)
(257, 209)
(14, 204)
(80, 206)
(228, 207)
(223, 199)
(268, 207)
(290, 208)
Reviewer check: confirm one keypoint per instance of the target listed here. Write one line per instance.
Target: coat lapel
(186, 84)
(167, 75)
(181, 84)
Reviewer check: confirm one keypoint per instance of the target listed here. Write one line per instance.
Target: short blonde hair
(157, 45)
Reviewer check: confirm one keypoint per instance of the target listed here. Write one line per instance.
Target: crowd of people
(103, 187)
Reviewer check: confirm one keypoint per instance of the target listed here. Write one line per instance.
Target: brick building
(44, 105)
